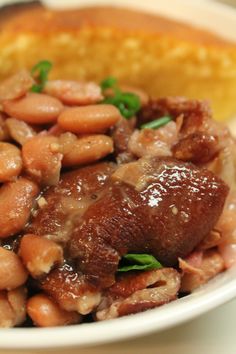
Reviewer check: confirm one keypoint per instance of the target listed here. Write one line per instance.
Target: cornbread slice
(161, 56)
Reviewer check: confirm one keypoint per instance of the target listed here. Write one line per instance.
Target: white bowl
(221, 289)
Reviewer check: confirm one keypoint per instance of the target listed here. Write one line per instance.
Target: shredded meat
(149, 142)
(213, 239)
(138, 292)
(212, 264)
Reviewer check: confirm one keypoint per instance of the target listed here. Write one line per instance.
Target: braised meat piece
(194, 112)
(138, 292)
(156, 205)
(196, 147)
(71, 290)
(60, 205)
(159, 206)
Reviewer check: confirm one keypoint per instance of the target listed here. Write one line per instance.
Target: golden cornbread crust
(161, 56)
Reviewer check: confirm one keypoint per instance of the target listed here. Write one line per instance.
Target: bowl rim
(216, 292)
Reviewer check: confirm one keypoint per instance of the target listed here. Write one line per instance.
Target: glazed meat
(159, 214)
(60, 205)
(71, 290)
(152, 205)
(196, 147)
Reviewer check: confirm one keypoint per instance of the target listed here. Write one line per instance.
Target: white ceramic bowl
(221, 289)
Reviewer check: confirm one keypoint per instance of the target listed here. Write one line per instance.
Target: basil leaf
(157, 123)
(41, 71)
(140, 262)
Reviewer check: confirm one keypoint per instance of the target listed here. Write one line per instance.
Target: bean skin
(17, 300)
(74, 92)
(7, 318)
(39, 254)
(46, 313)
(87, 149)
(89, 119)
(42, 159)
(10, 162)
(12, 271)
(16, 201)
(12, 307)
(34, 108)
(16, 85)
(4, 133)
(19, 130)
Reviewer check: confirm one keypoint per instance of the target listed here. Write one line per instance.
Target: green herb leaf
(41, 71)
(127, 103)
(110, 82)
(138, 262)
(157, 123)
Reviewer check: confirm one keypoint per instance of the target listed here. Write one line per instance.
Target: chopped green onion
(138, 262)
(127, 103)
(157, 123)
(41, 70)
(110, 82)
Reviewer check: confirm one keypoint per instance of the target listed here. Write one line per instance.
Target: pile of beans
(41, 133)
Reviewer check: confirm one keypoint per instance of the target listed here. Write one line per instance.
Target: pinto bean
(89, 119)
(45, 166)
(4, 133)
(39, 254)
(16, 201)
(17, 300)
(7, 313)
(12, 271)
(86, 150)
(10, 162)
(16, 85)
(55, 130)
(12, 307)
(19, 130)
(34, 108)
(46, 313)
(74, 92)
